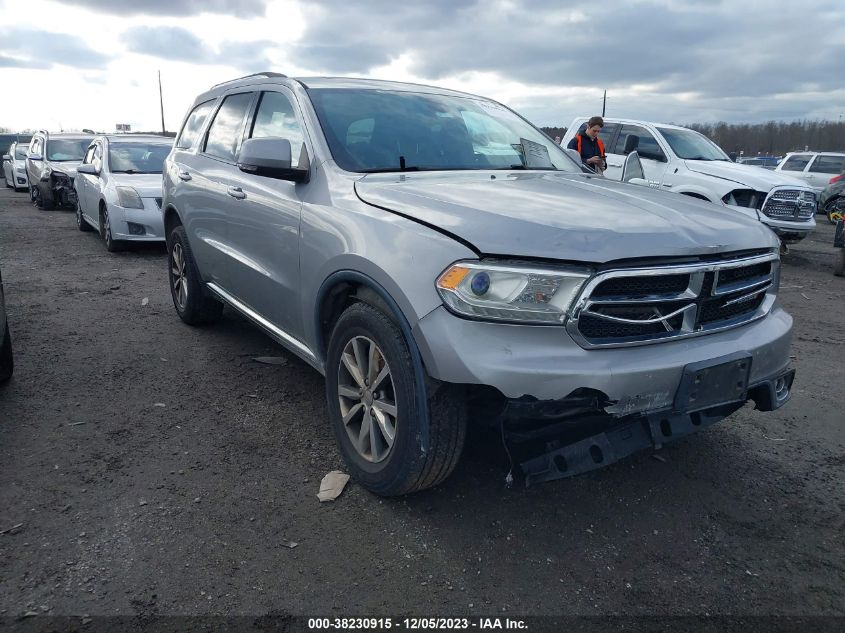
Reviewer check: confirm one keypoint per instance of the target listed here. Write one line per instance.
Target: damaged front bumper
(58, 190)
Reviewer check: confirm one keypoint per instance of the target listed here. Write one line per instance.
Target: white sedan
(118, 189)
(14, 166)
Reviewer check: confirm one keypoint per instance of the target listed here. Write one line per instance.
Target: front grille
(646, 305)
(790, 204)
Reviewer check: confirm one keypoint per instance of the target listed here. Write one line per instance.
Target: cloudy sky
(92, 63)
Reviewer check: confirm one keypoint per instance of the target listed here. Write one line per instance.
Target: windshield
(21, 151)
(381, 130)
(692, 145)
(137, 158)
(66, 149)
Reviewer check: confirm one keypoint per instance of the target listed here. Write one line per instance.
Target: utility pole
(161, 102)
(604, 104)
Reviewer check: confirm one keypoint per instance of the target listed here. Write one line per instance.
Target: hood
(147, 185)
(68, 167)
(563, 216)
(752, 177)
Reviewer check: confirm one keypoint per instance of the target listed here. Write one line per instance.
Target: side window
(97, 158)
(275, 117)
(89, 155)
(606, 134)
(647, 147)
(226, 131)
(36, 146)
(828, 165)
(796, 163)
(193, 124)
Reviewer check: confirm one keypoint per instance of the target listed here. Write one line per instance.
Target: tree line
(772, 138)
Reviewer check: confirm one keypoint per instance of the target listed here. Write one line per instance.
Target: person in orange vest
(590, 146)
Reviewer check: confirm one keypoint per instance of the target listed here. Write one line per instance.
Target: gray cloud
(177, 44)
(716, 50)
(31, 48)
(237, 8)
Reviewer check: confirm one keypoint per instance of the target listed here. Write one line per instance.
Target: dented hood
(68, 167)
(563, 216)
(752, 177)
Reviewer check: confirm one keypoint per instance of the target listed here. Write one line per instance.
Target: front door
(653, 158)
(264, 223)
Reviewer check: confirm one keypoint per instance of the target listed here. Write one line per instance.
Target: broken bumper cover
(545, 364)
(650, 430)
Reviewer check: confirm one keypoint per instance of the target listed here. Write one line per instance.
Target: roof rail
(265, 73)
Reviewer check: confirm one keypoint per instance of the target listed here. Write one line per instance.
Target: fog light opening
(136, 229)
(560, 463)
(781, 389)
(596, 454)
(666, 427)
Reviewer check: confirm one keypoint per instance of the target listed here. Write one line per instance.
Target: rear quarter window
(796, 163)
(193, 125)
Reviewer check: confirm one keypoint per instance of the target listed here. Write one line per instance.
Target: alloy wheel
(106, 228)
(367, 399)
(178, 276)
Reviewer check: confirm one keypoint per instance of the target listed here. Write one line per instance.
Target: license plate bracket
(713, 382)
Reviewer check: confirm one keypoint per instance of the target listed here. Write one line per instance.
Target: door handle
(183, 175)
(236, 192)
(614, 164)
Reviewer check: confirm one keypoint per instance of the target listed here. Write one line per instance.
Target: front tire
(81, 223)
(7, 364)
(192, 305)
(40, 201)
(112, 245)
(376, 411)
(839, 262)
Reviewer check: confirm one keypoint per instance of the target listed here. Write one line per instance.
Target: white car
(815, 168)
(14, 166)
(683, 161)
(118, 189)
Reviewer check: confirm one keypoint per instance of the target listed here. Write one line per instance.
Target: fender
(416, 358)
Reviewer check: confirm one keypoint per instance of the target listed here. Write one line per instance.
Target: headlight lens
(508, 292)
(128, 198)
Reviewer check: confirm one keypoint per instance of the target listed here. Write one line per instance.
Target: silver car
(51, 167)
(118, 189)
(14, 166)
(441, 261)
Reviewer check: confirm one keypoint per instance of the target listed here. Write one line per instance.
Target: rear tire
(7, 363)
(187, 290)
(403, 467)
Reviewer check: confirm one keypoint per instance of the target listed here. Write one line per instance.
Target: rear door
(824, 167)
(264, 223)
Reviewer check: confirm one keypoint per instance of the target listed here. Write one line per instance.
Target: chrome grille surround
(787, 203)
(727, 284)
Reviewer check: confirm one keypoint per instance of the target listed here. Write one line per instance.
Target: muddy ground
(126, 506)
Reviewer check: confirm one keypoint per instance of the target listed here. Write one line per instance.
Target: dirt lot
(157, 469)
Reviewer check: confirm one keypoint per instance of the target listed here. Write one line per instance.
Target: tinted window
(796, 163)
(65, 149)
(606, 133)
(647, 148)
(97, 159)
(36, 146)
(137, 158)
(89, 155)
(226, 131)
(828, 165)
(191, 130)
(275, 117)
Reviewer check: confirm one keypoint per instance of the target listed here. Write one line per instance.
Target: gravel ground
(155, 468)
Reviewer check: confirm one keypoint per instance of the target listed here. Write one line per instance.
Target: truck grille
(647, 305)
(790, 204)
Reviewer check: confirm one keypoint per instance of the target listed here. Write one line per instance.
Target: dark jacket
(589, 147)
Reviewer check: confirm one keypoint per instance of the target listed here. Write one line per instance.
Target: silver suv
(441, 260)
(51, 167)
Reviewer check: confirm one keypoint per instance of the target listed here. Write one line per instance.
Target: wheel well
(171, 220)
(337, 299)
(692, 194)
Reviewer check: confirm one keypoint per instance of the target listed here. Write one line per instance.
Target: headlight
(128, 198)
(502, 292)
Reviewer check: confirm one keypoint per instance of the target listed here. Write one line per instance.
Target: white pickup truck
(683, 161)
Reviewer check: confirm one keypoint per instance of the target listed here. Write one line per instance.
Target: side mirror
(633, 168)
(732, 156)
(632, 142)
(88, 169)
(7, 157)
(271, 157)
(35, 157)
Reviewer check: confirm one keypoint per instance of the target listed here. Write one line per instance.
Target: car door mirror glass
(271, 157)
(7, 157)
(633, 167)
